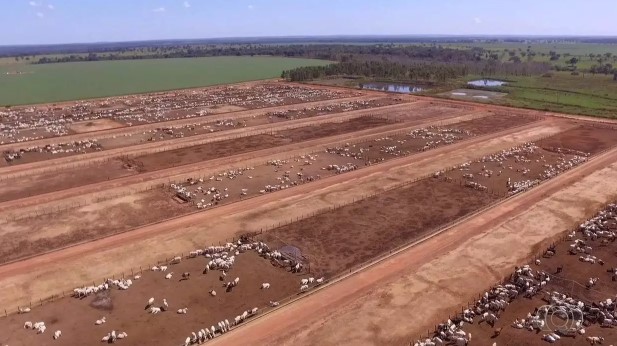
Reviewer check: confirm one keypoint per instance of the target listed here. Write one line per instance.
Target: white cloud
(40, 14)
(477, 20)
(33, 3)
(159, 9)
(186, 4)
(51, 7)
(251, 7)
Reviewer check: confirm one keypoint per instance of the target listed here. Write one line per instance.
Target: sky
(73, 21)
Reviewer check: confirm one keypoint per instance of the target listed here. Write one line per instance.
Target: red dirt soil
(23, 238)
(145, 207)
(76, 317)
(340, 239)
(522, 167)
(587, 139)
(343, 296)
(570, 281)
(56, 181)
(495, 123)
(236, 146)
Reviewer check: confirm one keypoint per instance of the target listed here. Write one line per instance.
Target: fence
(78, 204)
(507, 279)
(326, 210)
(188, 142)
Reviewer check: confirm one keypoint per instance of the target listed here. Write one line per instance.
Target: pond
(395, 88)
(487, 83)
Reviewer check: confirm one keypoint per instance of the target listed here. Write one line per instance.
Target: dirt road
(435, 276)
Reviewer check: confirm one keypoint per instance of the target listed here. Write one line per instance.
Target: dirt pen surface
(514, 170)
(55, 120)
(235, 146)
(409, 142)
(70, 226)
(94, 125)
(331, 242)
(586, 139)
(345, 106)
(213, 190)
(125, 310)
(32, 185)
(569, 271)
(24, 237)
(340, 239)
(104, 141)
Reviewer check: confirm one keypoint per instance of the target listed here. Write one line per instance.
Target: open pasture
(38, 83)
(578, 268)
(124, 310)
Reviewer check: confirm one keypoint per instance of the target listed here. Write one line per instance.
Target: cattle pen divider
(231, 164)
(404, 247)
(337, 278)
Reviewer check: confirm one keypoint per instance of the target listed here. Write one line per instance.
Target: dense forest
(379, 69)
(416, 70)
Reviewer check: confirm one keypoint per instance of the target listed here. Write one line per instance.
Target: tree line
(379, 69)
(334, 52)
(425, 71)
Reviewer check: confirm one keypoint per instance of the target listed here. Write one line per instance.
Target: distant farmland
(25, 84)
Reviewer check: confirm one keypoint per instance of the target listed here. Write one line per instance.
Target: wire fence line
(98, 161)
(230, 165)
(507, 279)
(313, 214)
(133, 271)
(114, 157)
(537, 255)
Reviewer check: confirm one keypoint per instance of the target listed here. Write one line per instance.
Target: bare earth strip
(39, 277)
(402, 297)
(142, 181)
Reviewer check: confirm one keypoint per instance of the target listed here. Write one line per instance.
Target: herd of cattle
(561, 315)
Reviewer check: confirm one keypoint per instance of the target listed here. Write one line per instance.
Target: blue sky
(68, 21)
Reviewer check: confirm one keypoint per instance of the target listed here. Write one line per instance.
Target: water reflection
(487, 83)
(395, 88)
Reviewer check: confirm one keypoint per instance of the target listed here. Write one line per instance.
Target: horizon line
(222, 38)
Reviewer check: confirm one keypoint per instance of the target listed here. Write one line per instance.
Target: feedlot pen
(23, 237)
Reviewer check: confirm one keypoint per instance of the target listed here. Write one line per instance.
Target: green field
(80, 80)
(565, 50)
(583, 94)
